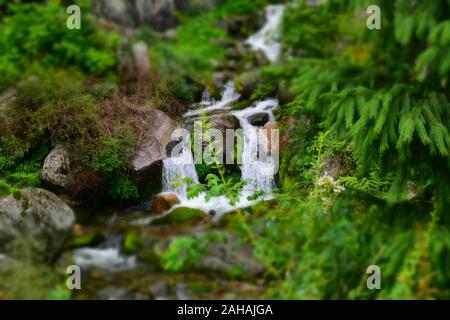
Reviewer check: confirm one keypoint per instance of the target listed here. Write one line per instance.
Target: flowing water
(258, 166)
(257, 169)
(178, 168)
(266, 39)
(229, 95)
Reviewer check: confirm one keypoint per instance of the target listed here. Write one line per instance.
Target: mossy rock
(86, 240)
(149, 257)
(132, 244)
(242, 105)
(247, 83)
(182, 216)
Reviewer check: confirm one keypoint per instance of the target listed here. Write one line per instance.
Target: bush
(35, 33)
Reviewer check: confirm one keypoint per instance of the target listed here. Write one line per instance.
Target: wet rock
(164, 201)
(259, 119)
(37, 215)
(116, 294)
(224, 121)
(146, 162)
(56, 169)
(182, 216)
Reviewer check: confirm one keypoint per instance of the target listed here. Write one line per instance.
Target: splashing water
(229, 95)
(178, 168)
(266, 38)
(182, 166)
(260, 171)
(256, 168)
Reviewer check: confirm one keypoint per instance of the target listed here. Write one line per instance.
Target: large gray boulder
(152, 150)
(56, 168)
(38, 217)
(158, 14)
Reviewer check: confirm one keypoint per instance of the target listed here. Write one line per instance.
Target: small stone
(164, 201)
(259, 119)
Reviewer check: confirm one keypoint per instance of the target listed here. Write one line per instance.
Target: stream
(110, 273)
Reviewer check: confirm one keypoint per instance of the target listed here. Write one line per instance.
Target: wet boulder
(223, 122)
(147, 160)
(164, 201)
(259, 119)
(37, 216)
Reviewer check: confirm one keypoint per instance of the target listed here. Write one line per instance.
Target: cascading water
(229, 95)
(266, 38)
(177, 168)
(107, 256)
(259, 171)
(181, 166)
(258, 167)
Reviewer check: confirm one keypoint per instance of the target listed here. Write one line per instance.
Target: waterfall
(256, 168)
(266, 38)
(260, 171)
(178, 168)
(182, 166)
(229, 95)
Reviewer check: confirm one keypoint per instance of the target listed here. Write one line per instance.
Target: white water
(176, 169)
(229, 95)
(266, 38)
(108, 259)
(256, 168)
(259, 171)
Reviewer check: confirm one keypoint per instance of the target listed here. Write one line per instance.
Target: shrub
(37, 33)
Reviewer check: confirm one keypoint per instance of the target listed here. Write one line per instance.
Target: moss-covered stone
(132, 244)
(182, 216)
(86, 240)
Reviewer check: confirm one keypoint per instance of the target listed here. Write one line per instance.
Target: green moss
(181, 216)
(86, 240)
(149, 256)
(132, 244)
